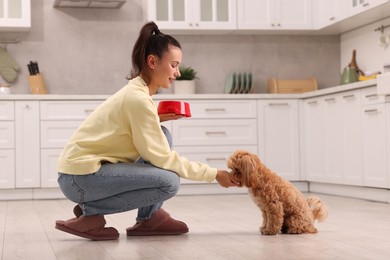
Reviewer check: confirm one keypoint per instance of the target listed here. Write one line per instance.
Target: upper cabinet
(328, 12)
(193, 15)
(15, 15)
(358, 6)
(339, 16)
(274, 14)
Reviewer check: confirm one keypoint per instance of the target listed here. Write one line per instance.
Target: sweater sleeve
(153, 146)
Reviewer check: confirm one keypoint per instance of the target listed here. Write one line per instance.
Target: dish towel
(9, 69)
(383, 83)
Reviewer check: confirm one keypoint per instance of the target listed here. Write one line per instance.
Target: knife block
(37, 84)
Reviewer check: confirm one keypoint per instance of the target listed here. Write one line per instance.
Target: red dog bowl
(173, 106)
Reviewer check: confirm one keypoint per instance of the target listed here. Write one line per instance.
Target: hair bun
(156, 31)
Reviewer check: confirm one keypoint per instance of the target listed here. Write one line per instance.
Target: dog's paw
(266, 231)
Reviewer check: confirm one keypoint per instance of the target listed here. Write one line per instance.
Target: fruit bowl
(174, 106)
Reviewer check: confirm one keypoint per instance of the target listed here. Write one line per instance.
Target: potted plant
(185, 84)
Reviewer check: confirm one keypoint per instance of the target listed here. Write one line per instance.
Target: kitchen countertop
(321, 92)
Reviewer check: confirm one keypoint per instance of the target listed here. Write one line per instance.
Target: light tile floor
(221, 227)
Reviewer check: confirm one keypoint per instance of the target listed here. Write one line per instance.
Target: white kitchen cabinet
(27, 146)
(351, 138)
(7, 145)
(274, 14)
(359, 6)
(216, 129)
(328, 12)
(7, 162)
(59, 120)
(49, 174)
(314, 142)
(15, 15)
(375, 158)
(332, 139)
(192, 15)
(278, 125)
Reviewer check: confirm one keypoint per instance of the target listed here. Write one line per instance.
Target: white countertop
(321, 92)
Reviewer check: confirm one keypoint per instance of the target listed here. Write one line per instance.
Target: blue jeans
(122, 187)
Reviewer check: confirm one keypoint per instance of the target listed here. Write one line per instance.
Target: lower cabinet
(278, 130)
(375, 155)
(332, 139)
(7, 162)
(27, 146)
(216, 130)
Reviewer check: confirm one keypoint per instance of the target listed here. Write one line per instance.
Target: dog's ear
(248, 169)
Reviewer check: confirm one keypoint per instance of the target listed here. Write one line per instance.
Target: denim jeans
(122, 187)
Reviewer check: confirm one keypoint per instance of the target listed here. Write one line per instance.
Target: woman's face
(165, 70)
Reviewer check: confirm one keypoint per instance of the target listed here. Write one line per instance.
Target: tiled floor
(221, 227)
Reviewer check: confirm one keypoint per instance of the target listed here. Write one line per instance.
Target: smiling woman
(120, 157)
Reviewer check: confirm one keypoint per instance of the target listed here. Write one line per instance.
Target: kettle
(349, 75)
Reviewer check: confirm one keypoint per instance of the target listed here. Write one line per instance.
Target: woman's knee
(173, 184)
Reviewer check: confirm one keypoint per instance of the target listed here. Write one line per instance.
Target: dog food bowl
(173, 106)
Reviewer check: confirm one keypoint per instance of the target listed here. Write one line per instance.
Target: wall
(88, 51)
(371, 54)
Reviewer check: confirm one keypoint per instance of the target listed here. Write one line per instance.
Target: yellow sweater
(123, 128)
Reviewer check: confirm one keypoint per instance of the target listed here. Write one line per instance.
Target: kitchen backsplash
(88, 51)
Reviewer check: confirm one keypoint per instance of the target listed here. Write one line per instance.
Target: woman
(120, 159)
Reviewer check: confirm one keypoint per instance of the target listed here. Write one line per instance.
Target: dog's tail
(318, 208)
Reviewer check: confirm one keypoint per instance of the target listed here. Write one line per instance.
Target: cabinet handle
(348, 96)
(371, 111)
(332, 18)
(278, 104)
(27, 106)
(88, 111)
(312, 103)
(215, 159)
(330, 99)
(215, 110)
(366, 4)
(216, 133)
(372, 96)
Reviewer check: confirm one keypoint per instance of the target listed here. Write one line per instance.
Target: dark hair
(150, 41)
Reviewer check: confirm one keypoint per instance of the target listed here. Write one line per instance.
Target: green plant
(187, 73)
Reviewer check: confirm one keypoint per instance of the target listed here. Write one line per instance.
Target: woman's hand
(170, 116)
(225, 179)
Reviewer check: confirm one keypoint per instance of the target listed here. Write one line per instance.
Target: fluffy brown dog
(283, 206)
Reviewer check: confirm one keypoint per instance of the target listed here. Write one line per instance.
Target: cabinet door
(49, 175)
(352, 138)
(314, 141)
(375, 146)
(170, 14)
(193, 14)
(255, 14)
(7, 176)
(15, 15)
(333, 136)
(215, 132)
(214, 14)
(293, 14)
(27, 150)
(358, 6)
(328, 12)
(278, 136)
(214, 156)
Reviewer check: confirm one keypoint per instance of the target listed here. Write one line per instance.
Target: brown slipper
(160, 224)
(91, 227)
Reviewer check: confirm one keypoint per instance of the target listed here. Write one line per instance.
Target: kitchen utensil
(174, 106)
(353, 64)
(349, 76)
